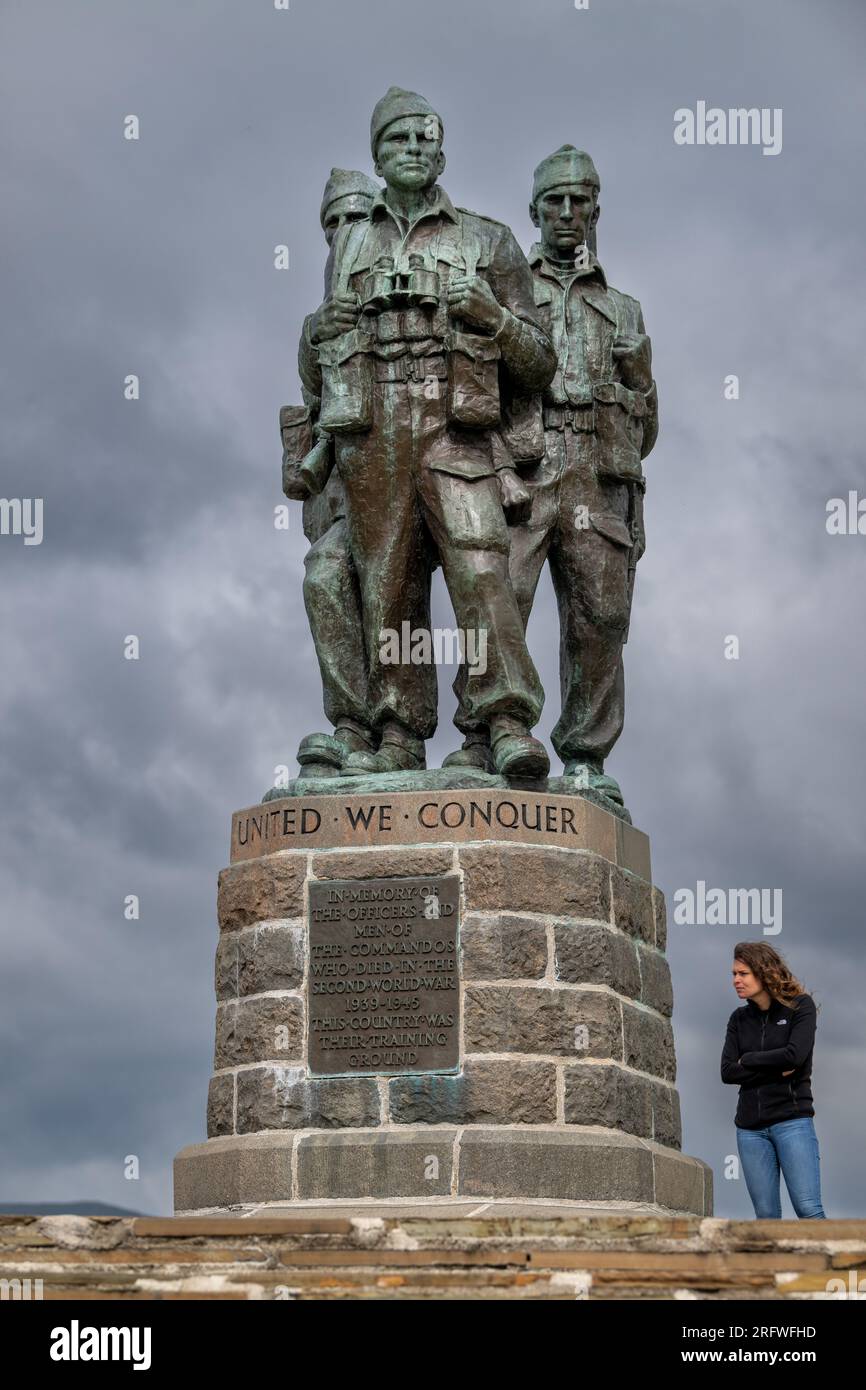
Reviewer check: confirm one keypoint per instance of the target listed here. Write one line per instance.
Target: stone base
(590, 1167)
(557, 1080)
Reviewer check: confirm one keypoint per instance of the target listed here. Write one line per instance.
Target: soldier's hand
(632, 356)
(515, 496)
(471, 298)
(335, 316)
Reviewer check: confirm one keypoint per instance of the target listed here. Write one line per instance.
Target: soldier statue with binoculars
(485, 413)
(427, 333)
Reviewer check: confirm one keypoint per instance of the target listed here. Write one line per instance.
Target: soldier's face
(409, 153)
(565, 215)
(353, 208)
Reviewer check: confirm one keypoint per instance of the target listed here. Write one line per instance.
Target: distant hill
(65, 1209)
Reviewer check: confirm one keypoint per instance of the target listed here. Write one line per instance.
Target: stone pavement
(450, 1250)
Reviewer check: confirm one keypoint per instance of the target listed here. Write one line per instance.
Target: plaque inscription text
(384, 981)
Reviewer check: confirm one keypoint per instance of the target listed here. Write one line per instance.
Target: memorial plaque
(384, 981)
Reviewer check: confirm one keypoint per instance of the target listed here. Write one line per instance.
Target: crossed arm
(733, 1072)
(758, 1064)
(801, 1037)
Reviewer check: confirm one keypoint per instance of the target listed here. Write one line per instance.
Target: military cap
(345, 183)
(565, 165)
(395, 104)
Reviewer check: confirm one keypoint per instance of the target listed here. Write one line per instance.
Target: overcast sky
(155, 257)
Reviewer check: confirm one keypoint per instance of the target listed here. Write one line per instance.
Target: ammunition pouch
(580, 418)
(409, 368)
(523, 429)
(620, 414)
(614, 393)
(633, 356)
(296, 432)
(473, 380)
(347, 384)
(613, 528)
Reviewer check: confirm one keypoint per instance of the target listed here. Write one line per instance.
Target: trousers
(578, 524)
(333, 602)
(792, 1146)
(416, 487)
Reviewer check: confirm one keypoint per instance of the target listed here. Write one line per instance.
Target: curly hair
(768, 966)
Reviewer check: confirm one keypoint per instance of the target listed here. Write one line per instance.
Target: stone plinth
(565, 1086)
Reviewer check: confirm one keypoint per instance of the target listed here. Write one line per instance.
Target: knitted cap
(344, 183)
(395, 104)
(566, 165)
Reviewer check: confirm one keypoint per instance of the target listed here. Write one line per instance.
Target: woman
(768, 1052)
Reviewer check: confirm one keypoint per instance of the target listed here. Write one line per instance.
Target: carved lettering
(382, 966)
(462, 815)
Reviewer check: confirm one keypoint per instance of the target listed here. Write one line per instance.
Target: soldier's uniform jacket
(424, 343)
(612, 398)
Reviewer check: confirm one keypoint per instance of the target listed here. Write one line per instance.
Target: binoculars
(387, 288)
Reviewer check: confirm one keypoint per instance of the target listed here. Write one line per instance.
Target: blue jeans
(793, 1146)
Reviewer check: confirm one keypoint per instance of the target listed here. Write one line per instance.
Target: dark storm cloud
(156, 257)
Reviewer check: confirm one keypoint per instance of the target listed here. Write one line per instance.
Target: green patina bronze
(600, 420)
(469, 408)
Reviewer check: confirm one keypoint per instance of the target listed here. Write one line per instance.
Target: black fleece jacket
(760, 1045)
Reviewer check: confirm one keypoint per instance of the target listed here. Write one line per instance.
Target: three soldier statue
(469, 408)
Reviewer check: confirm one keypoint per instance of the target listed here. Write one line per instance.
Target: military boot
(589, 773)
(474, 753)
(323, 755)
(399, 751)
(515, 752)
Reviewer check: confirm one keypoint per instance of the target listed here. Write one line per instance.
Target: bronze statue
(469, 408)
(600, 421)
(331, 594)
(427, 329)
